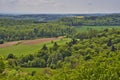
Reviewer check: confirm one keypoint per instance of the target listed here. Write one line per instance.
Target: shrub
(1, 41)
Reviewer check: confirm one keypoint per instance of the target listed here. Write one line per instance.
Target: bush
(2, 65)
(10, 56)
(1, 41)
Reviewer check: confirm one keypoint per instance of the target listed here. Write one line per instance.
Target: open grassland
(38, 71)
(85, 28)
(32, 69)
(25, 49)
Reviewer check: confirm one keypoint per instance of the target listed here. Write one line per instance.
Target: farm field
(27, 42)
(86, 28)
(26, 47)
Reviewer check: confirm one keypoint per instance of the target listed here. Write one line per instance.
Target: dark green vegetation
(92, 54)
(38, 17)
(11, 30)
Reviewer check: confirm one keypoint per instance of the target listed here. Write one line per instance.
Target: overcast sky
(59, 6)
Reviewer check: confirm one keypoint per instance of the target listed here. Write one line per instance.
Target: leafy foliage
(11, 30)
(109, 20)
(90, 55)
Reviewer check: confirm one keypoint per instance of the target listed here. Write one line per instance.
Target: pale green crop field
(85, 28)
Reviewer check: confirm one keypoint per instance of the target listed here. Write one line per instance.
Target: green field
(37, 70)
(85, 28)
(20, 49)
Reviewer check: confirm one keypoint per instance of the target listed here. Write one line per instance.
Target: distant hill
(43, 17)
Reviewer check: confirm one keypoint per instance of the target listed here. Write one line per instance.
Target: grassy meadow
(22, 49)
(85, 28)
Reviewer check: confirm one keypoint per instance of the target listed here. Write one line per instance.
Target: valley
(71, 47)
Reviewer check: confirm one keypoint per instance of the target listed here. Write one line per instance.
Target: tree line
(11, 30)
(107, 20)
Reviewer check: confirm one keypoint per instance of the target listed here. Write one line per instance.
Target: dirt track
(31, 42)
(28, 42)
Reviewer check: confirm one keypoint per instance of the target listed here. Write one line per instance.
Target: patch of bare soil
(28, 42)
(9, 44)
(37, 41)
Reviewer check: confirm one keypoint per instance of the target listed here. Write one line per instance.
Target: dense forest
(89, 55)
(11, 30)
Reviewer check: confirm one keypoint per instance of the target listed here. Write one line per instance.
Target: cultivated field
(28, 42)
(25, 47)
(86, 28)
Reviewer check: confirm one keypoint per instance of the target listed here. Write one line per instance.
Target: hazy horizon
(59, 6)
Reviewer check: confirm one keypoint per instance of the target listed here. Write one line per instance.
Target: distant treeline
(17, 29)
(32, 31)
(39, 17)
(22, 29)
(106, 20)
